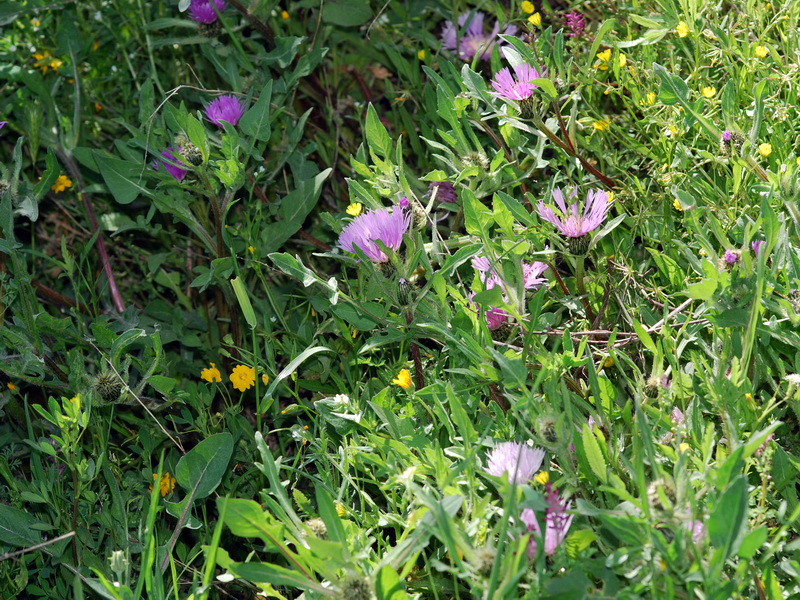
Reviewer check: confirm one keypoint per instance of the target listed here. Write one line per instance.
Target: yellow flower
(528, 7)
(797, 160)
(761, 51)
(650, 98)
(340, 509)
(601, 125)
(709, 91)
(11, 386)
(542, 477)
(610, 199)
(765, 149)
(683, 447)
(605, 55)
(251, 249)
(677, 205)
(623, 60)
(682, 29)
(403, 379)
(535, 19)
(608, 362)
(62, 183)
(354, 209)
(45, 61)
(265, 379)
(243, 377)
(211, 375)
(422, 55)
(166, 485)
(36, 22)
(284, 15)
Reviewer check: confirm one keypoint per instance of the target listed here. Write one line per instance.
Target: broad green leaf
(346, 13)
(644, 337)
(728, 521)
(201, 470)
(299, 202)
(673, 88)
(703, 290)
(389, 586)
(377, 137)
(752, 542)
(327, 512)
(122, 178)
(256, 121)
(594, 455)
(16, 527)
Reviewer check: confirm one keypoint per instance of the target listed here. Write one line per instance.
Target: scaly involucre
(474, 41)
(571, 222)
(225, 108)
(519, 461)
(507, 87)
(384, 224)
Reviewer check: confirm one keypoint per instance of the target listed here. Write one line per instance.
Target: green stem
(580, 286)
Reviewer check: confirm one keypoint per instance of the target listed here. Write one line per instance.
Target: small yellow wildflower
(623, 60)
(251, 249)
(761, 51)
(608, 362)
(403, 379)
(650, 98)
(243, 377)
(765, 149)
(709, 91)
(422, 55)
(683, 447)
(797, 160)
(36, 22)
(95, 46)
(265, 379)
(354, 209)
(542, 477)
(601, 125)
(98, 107)
(285, 15)
(610, 199)
(11, 386)
(605, 55)
(62, 183)
(45, 61)
(528, 7)
(211, 374)
(682, 29)
(166, 485)
(748, 397)
(340, 509)
(535, 19)
(354, 334)
(676, 204)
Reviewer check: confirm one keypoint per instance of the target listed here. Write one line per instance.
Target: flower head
(765, 149)
(761, 51)
(403, 379)
(531, 274)
(756, 246)
(45, 61)
(519, 461)
(495, 318)
(731, 257)
(445, 191)
(384, 225)
(243, 377)
(354, 209)
(225, 108)
(682, 29)
(575, 23)
(572, 223)
(727, 136)
(177, 172)
(166, 485)
(557, 523)
(709, 91)
(506, 87)
(528, 7)
(473, 41)
(61, 184)
(201, 11)
(211, 374)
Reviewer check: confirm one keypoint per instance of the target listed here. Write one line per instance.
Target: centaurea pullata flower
(519, 461)
(473, 41)
(557, 523)
(225, 108)
(201, 11)
(575, 23)
(174, 170)
(574, 224)
(520, 89)
(385, 225)
(731, 257)
(756, 246)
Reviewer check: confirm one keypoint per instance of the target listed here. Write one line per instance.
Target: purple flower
(201, 11)
(557, 523)
(698, 530)
(531, 274)
(387, 226)
(665, 382)
(677, 416)
(173, 170)
(571, 223)
(575, 22)
(731, 257)
(727, 136)
(495, 318)
(473, 41)
(519, 461)
(445, 191)
(489, 277)
(3, 124)
(225, 108)
(506, 87)
(756, 245)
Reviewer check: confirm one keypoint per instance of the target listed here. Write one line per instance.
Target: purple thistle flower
(201, 11)
(677, 416)
(474, 41)
(756, 245)
(575, 22)
(557, 523)
(727, 136)
(506, 87)
(225, 108)
(173, 170)
(3, 124)
(495, 318)
(519, 461)
(665, 383)
(531, 274)
(445, 191)
(731, 257)
(571, 223)
(385, 225)
(697, 528)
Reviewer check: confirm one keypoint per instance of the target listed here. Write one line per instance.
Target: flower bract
(174, 170)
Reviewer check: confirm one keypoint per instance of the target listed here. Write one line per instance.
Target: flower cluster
(473, 41)
(575, 23)
(531, 279)
(166, 485)
(384, 225)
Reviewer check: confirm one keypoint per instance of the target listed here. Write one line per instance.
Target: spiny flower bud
(578, 245)
(356, 587)
(317, 527)
(192, 154)
(4, 186)
(108, 386)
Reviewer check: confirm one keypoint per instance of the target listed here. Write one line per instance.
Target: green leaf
(346, 13)
(377, 137)
(752, 542)
(594, 455)
(477, 217)
(255, 122)
(702, 290)
(122, 177)
(265, 572)
(162, 384)
(49, 177)
(728, 521)
(201, 470)
(644, 337)
(673, 88)
(16, 527)
(299, 202)
(327, 512)
(388, 585)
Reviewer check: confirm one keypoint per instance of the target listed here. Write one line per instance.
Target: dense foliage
(397, 300)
